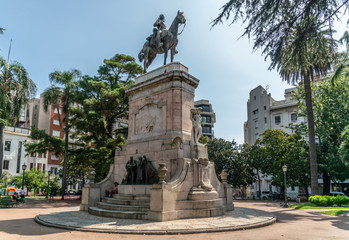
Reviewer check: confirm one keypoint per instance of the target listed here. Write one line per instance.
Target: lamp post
(24, 167)
(284, 169)
(48, 184)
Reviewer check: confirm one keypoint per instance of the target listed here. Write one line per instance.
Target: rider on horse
(159, 27)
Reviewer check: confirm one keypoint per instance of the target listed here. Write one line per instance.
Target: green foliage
(334, 213)
(203, 139)
(281, 148)
(341, 200)
(103, 108)
(225, 155)
(329, 201)
(43, 142)
(325, 201)
(331, 117)
(297, 36)
(16, 89)
(5, 180)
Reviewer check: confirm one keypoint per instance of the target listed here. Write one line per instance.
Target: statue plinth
(161, 122)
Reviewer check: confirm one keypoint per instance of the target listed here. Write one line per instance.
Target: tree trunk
(327, 183)
(259, 185)
(311, 132)
(65, 163)
(2, 126)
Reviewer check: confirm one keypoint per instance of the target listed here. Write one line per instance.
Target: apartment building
(264, 112)
(208, 117)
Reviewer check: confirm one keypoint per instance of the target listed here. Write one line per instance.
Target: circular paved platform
(240, 218)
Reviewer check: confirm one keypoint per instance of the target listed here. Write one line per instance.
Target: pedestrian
(22, 194)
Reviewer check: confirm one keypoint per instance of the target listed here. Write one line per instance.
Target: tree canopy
(16, 89)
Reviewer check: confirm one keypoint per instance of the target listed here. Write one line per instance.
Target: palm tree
(307, 54)
(17, 88)
(61, 96)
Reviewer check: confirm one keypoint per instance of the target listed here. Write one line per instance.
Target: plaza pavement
(18, 223)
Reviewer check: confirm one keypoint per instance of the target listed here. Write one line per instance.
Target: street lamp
(284, 169)
(24, 167)
(48, 184)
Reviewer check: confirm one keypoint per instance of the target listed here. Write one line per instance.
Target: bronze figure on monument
(161, 40)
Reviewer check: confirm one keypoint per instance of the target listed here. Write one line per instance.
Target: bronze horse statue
(169, 40)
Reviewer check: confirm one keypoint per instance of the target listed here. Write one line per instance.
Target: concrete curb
(257, 222)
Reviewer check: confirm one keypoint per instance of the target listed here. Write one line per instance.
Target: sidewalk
(18, 223)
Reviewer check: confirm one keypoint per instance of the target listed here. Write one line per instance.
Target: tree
(33, 179)
(60, 95)
(291, 149)
(103, 108)
(17, 88)
(5, 180)
(294, 36)
(331, 117)
(225, 155)
(256, 158)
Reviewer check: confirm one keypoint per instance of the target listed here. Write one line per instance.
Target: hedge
(328, 201)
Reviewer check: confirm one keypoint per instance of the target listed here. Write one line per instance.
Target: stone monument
(164, 128)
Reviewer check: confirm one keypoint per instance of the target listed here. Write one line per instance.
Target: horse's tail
(141, 55)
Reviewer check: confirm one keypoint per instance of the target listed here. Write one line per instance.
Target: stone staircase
(129, 206)
(126, 206)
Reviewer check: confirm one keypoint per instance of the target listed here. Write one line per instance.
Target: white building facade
(263, 112)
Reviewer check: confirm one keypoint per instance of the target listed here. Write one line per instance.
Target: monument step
(199, 204)
(110, 206)
(143, 202)
(200, 213)
(131, 196)
(117, 214)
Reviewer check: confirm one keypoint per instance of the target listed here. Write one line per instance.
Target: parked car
(335, 194)
(266, 195)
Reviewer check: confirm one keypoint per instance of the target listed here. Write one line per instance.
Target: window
(254, 98)
(31, 166)
(54, 170)
(55, 110)
(6, 164)
(292, 188)
(206, 119)
(56, 122)
(265, 120)
(277, 119)
(33, 154)
(39, 155)
(43, 167)
(56, 133)
(54, 157)
(256, 124)
(206, 129)
(205, 108)
(293, 117)
(255, 111)
(39, 166)
(265, 107)
(7, 145)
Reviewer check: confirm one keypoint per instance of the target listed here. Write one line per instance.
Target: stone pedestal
(160, 130)
(90, 196)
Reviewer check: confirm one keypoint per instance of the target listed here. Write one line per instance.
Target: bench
(7, 202)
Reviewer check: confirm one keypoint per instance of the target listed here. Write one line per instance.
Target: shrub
(341, 200)
(325, 201)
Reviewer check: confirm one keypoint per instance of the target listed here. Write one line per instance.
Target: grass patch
(334, 213)
(308, 205)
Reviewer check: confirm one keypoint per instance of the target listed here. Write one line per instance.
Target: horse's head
(180, 17)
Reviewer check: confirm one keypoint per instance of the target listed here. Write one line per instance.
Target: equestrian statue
(161, 40)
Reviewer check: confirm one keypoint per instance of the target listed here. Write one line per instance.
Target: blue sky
(65, 34)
